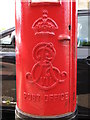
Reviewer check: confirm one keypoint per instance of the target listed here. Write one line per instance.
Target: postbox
(46, 59)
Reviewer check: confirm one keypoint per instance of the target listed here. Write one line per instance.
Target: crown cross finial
(45, 12)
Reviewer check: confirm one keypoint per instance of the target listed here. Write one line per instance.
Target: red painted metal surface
(46, 57)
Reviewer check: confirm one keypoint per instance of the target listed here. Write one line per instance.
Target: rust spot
(66, 104)
(73, 95)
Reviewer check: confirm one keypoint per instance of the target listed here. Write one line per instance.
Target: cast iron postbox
(46, 57)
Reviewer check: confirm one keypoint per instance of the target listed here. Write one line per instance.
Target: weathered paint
(46, 57)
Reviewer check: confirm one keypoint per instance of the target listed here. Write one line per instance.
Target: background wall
(83, 4)
(7, 14)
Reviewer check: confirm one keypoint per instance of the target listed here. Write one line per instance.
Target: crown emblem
(44, 25)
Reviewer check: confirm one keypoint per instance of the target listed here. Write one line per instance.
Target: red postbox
(46, 59)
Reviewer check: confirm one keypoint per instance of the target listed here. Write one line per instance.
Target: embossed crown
(45, 25)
